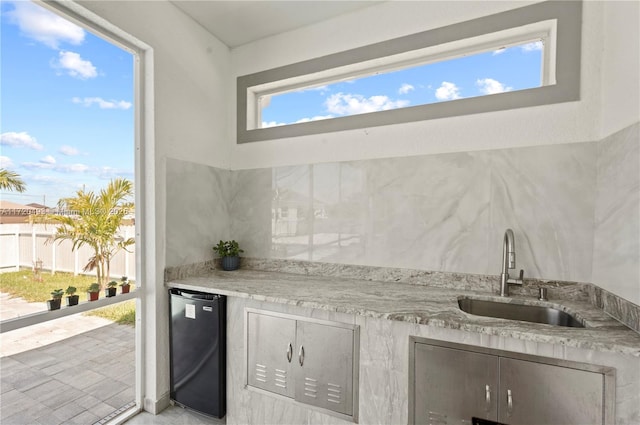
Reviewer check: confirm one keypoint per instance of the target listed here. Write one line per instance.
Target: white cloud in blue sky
(74, 65)
(20, 140)
(102, 104)
(68, 150)
(39, 24)
(531, 47)
(58, 82)
(60, 168)
(447, 91)
(491, 86)
(352, 104)
(49, 159)
(406, 88)
(6, 162)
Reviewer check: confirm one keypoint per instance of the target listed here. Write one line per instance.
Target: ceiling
(239, 22)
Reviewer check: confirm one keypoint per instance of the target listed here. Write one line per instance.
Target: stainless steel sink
(527, 313)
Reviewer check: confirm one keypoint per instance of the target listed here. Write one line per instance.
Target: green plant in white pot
(229, 251)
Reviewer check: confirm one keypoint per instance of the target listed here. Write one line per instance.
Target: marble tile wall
(197, 211)
(442, 213)
(617, 215)
(436, 212)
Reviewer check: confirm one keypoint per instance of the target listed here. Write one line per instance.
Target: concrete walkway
(73, 370)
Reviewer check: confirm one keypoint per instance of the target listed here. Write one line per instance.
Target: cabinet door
(270, 345)
(536, 393)
(452, 386)
(325, 374)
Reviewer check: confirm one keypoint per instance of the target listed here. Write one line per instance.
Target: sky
(66, 105)
(491, 72)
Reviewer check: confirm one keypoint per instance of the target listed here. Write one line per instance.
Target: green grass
(23, 284)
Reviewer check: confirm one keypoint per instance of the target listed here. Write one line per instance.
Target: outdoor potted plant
(125, 285)
(93, 292)
(72, 299)
(112, 288)
(230, 253)
(56, 298)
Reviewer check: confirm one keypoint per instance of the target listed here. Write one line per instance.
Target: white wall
(544, 125)
(620, 66)
(190, 76)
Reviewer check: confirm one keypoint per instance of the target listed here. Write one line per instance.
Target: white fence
(25, 245)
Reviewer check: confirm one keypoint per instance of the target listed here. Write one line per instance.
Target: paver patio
(60, 372)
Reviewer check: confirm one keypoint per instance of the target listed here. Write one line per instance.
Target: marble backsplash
(616, 248)
(573, 209)
(435, 212)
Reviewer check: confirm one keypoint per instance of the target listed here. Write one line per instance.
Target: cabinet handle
(289, 352)
(509, 403)
(301, 355)
(487, 398)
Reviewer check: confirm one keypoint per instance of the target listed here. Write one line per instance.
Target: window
(421, 76)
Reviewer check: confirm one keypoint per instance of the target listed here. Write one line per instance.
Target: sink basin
(527, 313)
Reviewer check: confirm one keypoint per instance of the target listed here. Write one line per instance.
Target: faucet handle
(519, 280)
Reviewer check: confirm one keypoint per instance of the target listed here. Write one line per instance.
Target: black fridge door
(198, 351)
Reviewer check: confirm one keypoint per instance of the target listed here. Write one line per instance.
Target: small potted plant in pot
(93, 292)
(72, 299)
(112, 288)
(230, 253)
(125, 285)
(56, 298)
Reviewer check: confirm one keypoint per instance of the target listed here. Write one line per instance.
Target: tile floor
(78, 380)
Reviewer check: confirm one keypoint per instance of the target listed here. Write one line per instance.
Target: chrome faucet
(508, 262)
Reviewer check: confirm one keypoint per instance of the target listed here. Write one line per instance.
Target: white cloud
(406, 88)
(6, 162)
(491, 86)
(447, 91)
(499, 51)
(73, 168)
(20, 140)
(351, 104)
(44, 26)
(530, 47)
(68, 150)
(48, 160)
(62, 168)
(38, 165)
(75, 66)
(102, 104)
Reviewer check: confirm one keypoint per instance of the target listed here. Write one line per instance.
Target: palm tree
(94, 220)
(11, 181)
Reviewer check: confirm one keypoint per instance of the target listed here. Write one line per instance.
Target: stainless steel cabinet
(452, 383)
(535, 393)
(325, 377)
(269, 359)
(311, 361)
(452, 386)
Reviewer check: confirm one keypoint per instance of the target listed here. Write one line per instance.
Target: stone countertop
(433, 306)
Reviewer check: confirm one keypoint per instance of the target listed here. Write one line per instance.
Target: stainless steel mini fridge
(198, 351)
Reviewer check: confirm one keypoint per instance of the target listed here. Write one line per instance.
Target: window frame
(563, 57)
